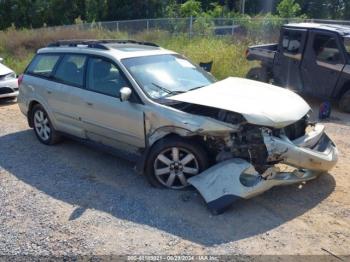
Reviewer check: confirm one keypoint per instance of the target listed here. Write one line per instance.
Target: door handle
(89, 103)
(49, 92)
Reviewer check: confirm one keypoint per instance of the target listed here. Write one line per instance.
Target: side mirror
(1, 59)
(125, 94)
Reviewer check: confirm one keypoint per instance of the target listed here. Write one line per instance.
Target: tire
(344, 102)
(173, 174)
(43, 128)
(258, 74)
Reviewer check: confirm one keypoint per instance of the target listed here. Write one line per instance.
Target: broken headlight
(8, 76)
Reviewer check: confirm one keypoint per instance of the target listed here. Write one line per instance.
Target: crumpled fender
(171, 121)
(183, 124)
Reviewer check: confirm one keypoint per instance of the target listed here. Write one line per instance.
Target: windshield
(164, 75)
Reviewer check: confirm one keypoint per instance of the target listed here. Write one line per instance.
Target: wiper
(196, 88)
(170, 92)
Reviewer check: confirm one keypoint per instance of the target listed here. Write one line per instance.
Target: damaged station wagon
(225, 138)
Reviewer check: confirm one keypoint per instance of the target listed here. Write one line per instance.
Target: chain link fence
(268, 27)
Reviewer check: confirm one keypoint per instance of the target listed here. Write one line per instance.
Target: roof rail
(98, 44)
(126, 41)
(75, 43)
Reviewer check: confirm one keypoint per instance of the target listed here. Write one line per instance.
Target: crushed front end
(248, 161)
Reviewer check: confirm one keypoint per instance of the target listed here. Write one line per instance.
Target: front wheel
(43, 128)
(172, 161)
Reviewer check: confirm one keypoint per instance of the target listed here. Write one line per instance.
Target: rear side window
(291, 41)
(43, 64)
(71, 70)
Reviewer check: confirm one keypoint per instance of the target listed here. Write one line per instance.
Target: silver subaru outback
(225, 138)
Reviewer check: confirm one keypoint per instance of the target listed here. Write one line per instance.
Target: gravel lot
(72, 199)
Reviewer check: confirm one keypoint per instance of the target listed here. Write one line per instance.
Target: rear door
(323, 64)
(288, 58)
(65, 97)
(108, 120)
(39, 78)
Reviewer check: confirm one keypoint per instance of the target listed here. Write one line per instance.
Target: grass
(17, 47)
(228, 57)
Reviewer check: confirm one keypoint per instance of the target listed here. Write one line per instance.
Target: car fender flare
(344, 88)
(32, 103)
(155, 136)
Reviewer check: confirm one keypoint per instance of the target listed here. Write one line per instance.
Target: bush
(227, 54)
(203, 26)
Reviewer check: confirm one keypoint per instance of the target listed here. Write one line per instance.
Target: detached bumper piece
(311, 155)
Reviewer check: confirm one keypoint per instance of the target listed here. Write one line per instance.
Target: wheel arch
(29, 114)
(35, 102)
(199, 140)
(345, 87)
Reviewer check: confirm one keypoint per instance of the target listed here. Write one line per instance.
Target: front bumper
(8, 88)
(314, 151)
(310, 155)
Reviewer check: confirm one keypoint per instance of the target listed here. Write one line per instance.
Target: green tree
(191, 8)
(288, 9)
(172, 9)
(217, 10)
(346, 11)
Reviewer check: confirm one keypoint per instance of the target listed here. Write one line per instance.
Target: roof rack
(337, 28)
(98, 44)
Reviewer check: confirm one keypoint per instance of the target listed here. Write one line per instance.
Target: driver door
(323, 64)
(107, 119)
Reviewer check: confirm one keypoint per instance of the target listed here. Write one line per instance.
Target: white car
(8, 82)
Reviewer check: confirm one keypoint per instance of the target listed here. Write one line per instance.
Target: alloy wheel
(173, 166)
(42, 125)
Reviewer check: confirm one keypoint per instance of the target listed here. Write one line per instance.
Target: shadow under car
(92, 179)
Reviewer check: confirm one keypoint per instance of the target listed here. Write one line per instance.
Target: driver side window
(326, 49)
(104, 77)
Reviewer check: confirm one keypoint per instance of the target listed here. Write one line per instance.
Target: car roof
(340, 29)
(118, 49)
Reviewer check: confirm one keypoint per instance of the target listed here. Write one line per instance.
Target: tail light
(20, 79)
(246, 52)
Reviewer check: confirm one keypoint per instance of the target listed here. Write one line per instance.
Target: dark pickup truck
(310, 58)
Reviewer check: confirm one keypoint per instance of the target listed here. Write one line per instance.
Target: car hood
(259, 103)
(4, 70)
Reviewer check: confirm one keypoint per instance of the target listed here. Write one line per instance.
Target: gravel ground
(72, 199)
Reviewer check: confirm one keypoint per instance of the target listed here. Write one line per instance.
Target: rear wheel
(172, 161)
(344, 103)
(43, 128)
(258, 74)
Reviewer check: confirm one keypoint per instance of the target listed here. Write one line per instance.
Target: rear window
(291, 41)
(43, 64)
